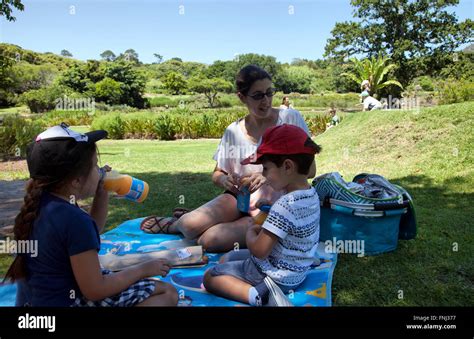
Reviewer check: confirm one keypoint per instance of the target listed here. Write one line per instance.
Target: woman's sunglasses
(260, 95)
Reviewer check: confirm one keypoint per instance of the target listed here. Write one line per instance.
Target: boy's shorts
(240, 265)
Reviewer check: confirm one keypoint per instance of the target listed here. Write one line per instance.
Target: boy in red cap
(281, 251)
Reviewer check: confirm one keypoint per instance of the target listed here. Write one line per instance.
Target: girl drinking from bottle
(66, 270)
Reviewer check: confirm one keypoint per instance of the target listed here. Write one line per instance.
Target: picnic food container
(348, 216)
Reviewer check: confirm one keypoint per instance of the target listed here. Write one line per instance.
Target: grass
(429, 152)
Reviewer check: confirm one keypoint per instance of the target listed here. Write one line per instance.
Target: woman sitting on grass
(65, 270)
(219, 225)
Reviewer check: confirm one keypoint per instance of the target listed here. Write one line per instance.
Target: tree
(266, 62)
(66, 53)
(295, 79)
(159, 58)
(417, 35)
(109, 91)
(81, 77)
(132, 82)
(129, 55)
(209, 87)
(174, 82)
(6, 8)
(108, 55)
(374, 70)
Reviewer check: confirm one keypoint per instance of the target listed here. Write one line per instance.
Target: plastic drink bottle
(243, 200)
(259, 219)
(125, 185)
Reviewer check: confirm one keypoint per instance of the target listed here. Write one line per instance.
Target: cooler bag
(349, 213)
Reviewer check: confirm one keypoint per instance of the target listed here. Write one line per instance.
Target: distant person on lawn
(285, 103)
(219, 225)
(369, 102)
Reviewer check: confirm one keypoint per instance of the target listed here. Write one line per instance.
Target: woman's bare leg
(219, 210)
(227, 236)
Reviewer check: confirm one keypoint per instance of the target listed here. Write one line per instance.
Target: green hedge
(181, 123)
(177, 123)
(453, 91)
(16, 133)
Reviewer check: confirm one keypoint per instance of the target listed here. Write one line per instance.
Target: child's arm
(100, 207)
(96, 286)
(260, 242)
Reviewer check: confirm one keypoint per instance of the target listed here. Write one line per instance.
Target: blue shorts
(240, 265)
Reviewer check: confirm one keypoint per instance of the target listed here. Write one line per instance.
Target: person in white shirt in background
(369, 102)
(285, 103)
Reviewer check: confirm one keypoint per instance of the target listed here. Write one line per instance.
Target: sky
(194, 30)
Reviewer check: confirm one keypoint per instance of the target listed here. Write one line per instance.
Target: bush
(72, 118)
(109, 91)
(425, 83)
(163, 101)
(16, 133)
(113, 123)
(452, 91)
(43, 99)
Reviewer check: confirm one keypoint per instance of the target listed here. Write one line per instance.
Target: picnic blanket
(127, 238)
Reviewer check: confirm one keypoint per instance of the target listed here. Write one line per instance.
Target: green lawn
(430, 153)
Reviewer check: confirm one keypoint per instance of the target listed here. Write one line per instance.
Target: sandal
(178, 212)
(158, 224)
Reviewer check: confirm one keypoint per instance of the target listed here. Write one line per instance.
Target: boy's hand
(262, 202)
(255, 228)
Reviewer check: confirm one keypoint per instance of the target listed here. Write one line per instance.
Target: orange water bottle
(124, 185)
(259, 219)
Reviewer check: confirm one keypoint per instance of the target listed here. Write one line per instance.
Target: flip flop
(178, 212)
(159, 225)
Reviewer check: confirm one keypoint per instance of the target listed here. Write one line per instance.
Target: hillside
(430, 153)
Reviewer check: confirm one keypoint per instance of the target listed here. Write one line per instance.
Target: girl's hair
(283, 100)
(247, 76)
(29, 211)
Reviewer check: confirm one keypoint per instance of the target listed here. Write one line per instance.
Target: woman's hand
(229, 182)
(254, 181)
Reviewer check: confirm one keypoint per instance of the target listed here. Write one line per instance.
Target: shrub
(452, 91)
(113, 123)
(43, 99)
(16, 133)
(109, 91)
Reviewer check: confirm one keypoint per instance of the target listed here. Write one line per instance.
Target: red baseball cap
(282, 139)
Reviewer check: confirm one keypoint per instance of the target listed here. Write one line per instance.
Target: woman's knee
(189, 225)
(208, 240)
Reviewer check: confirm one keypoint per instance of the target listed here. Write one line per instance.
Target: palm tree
(374, 70)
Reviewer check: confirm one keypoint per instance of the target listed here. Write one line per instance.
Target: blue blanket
(128, 238)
